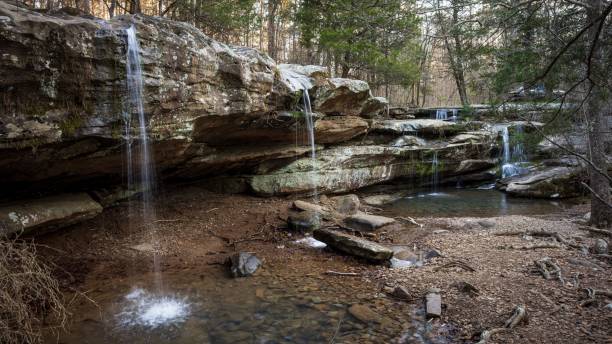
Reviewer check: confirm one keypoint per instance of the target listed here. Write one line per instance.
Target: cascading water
(299, 82)
(152, 311)
(435, 179)
(513, 156)
(441, 114)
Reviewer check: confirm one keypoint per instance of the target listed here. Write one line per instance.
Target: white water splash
(310, 242)
(147, 310)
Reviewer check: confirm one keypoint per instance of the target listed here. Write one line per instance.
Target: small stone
(600, 247)
(433, 303)
(487, 223)
(609, 306)
(305, 221)
(365, 314)
(244, 264)
(401, 293)
(431, 253)
(440, 231)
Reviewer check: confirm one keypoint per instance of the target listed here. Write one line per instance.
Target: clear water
(450, 202)
(286, 308)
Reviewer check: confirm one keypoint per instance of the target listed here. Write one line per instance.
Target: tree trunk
(597, 108)
(272, 6)
(134, 6)
(111, 8)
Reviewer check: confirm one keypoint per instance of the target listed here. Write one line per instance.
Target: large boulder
(353, 245)
(342, 96)
(32, 216)
(548, 182)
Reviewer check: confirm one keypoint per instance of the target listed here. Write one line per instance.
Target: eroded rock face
(341, 169)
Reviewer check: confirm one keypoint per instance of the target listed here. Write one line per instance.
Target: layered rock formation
(213, 110)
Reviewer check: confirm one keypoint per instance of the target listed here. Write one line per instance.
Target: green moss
(71, 124)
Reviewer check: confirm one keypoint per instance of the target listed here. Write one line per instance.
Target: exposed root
(337, 273)
(558, 237)
(28, 294)
(518, 316)
(597, 230)
(410, 220)
(548, 267)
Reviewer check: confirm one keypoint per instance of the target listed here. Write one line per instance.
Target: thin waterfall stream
(144, 308)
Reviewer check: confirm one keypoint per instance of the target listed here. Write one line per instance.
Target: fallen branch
(518, 315)
(410, 220)
(337, 273)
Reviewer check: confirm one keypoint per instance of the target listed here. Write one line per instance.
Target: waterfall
(434, 174)
(299, 82)
(512, 156)
(145, 180)
(442, 114)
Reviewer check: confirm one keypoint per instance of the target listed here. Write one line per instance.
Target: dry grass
(30, 298)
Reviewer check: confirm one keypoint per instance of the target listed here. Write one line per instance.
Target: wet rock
(472, 165)
(244, 264)
(378, 200)
(431, 253)
(366, 222)
(433, 303)
(555, 182)
(353, 245)
(346, 204)
(345, 168)
(366, 314)
(428, 127)
(304, 222)
(401, 293)
(408, 141)
(39, 215)
(600, 247)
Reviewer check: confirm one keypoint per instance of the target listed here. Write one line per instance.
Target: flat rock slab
(433, 303)
(47, 213)
(353, 245)
(366, 222)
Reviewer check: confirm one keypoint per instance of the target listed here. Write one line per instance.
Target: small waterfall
(455, 116)
(513, 155)
(145, 179)
(435, 179)
(299, 82)
(442, 114)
